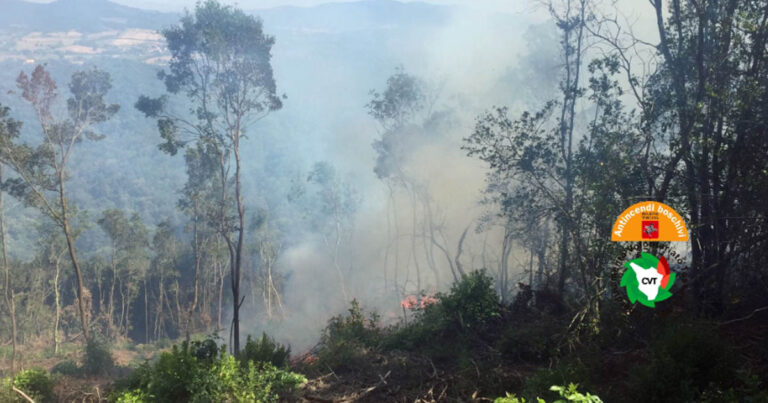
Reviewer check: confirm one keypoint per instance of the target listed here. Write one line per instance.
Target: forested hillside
(382, 201)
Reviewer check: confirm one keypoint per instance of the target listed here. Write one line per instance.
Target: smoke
(403, 239)
(399, 240)
(465, 63)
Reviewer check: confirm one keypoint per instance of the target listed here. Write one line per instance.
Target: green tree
(710, 97)
(220, 60)
(532, 162)
(42, 170)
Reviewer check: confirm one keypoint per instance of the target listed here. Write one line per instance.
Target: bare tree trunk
(221, 294)
(413, 241)
(146, 309)
(57, 301)
(428, 227)
(159, 313)
(224, 230)
(269, 262)
(73, 255)
(506, 249)
(277, 295)
(567, 115)
(181, 314)
(198, 258)
(434, 242)
(268, 296)
(123, 321)
(111, 309)
(484, 256)
(335, 256)
(268, 252)
(396, 239)
(460, 250)
(239, 249)
(170, 313)
(126, 325)
(429, 253)
(99, 274)
(389, 236)
(530, 268)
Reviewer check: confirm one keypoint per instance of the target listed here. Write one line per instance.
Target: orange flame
(412, 302)
(427, 300)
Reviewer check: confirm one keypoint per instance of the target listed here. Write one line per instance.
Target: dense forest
(180, 224)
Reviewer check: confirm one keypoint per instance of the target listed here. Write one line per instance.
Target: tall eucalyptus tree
(220, 62)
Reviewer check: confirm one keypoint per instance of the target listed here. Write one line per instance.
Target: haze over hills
(89, 16)
(326, 59)
(77, 30)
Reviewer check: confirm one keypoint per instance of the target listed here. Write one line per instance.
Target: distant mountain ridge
(85, 16)
(89, 16)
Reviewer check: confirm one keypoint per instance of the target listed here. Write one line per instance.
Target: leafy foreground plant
(567, 394)
(97, 359)
(35, 383)
(205, 372)
(455, 317)
(265, 349)
(67, 368)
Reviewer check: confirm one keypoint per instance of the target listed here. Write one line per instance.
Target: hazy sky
(514, 6)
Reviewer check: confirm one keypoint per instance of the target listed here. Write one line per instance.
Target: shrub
(163, 343)
(206, 351)
(534, 341)
(346, 338)
(97, 359)
(440, 328)
(571, 394)
(353, 326)
(36, 383)
(568, 394)
(66, 367)
(255, 383)
(512, 398)
(684, 362)
(133, 396)
(177, 375)
(470, 304)
(560, 374)
(749, 389)
(6, 393)
(264, 349)
(202, 371)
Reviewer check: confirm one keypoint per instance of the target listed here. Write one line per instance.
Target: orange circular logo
(649, 221)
